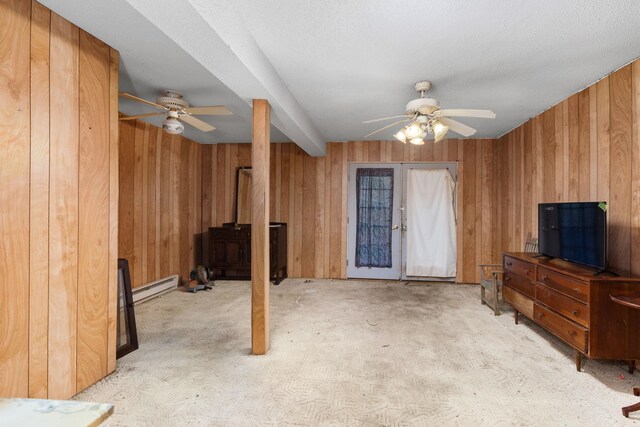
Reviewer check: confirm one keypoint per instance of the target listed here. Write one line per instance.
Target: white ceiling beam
(224, 46)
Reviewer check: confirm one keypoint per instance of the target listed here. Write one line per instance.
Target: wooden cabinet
(572, 303)
(230, 247)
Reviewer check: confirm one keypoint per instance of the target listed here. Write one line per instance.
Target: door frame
(452, 167)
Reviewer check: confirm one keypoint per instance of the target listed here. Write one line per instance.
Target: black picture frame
(127, 335)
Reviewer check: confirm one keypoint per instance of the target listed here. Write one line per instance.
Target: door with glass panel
(375, 192)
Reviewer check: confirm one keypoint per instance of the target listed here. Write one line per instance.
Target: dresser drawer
(519, 283)
(563, 284)
(562, 304)
(520, 267)
(572, 333)
(520, 302)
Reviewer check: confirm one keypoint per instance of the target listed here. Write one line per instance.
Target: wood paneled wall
(58, 204)
(310, 195)
(160, 203)
(586, 148)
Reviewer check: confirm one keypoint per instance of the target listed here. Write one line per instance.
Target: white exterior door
(375, 192)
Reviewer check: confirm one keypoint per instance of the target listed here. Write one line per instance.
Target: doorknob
(404, 228)
(395, 227)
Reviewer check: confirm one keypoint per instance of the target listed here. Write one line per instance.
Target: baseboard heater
(154, 289)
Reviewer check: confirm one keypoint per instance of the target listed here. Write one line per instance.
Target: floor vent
(154, 289)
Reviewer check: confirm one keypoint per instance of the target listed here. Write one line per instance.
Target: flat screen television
(575, 232)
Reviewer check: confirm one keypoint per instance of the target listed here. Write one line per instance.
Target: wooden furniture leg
(632, 366)
(578, 358)
(482, 295)
(515, 315)
(632, 408)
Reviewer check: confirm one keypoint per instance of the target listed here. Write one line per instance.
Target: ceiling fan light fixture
(400, 136)
(172, 125)
(439, 131)
(414, 130)
(417, 141)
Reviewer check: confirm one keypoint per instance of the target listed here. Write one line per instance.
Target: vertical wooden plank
(584, 141)
(574, 149)
(63, 209)
(184, 236)
(221, 184)
(298, 209)
(14, 198)
(93, 211)
(559, 153)
(207, 200)
(347, 155)
(328, 187)
(144, 190)
(174, 207)
(319, 218)
(565, 150)
(478, 206)
(549, 153)
(126, 162)
(602, 94)
(527, 189)
(469, 210)
(277, 192)
(336, 210)
(114, 60)
(621, 176)
(260, 227)
(150, 201)
(460, 228)
(135, 265)
(308, 216)
(486, 200)
(164, 153)
(635, 171)
(593, 143)
(39, 205)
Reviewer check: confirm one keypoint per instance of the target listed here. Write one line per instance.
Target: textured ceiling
(328, 65)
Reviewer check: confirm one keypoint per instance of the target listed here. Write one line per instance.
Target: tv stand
(549, 257)
(572, 302)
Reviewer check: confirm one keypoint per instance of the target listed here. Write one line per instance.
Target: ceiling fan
(426, 117)
(177, 109)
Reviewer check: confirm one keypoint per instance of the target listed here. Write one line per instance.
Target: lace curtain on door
(374, 192)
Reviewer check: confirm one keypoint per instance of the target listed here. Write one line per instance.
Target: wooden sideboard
(230, 247)
(572, 303)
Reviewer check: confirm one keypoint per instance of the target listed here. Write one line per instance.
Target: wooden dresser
(230, 256)
(573, 304)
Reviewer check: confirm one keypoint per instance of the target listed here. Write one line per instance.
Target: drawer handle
(540, 315)
(575, 289)
(527, 271)
(574, 312)
(506, 279)
(572, 333)
(509, 263)
(544, 278)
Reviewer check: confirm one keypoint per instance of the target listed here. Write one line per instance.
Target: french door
(378, 220)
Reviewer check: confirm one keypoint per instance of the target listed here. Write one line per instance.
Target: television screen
(575, 232)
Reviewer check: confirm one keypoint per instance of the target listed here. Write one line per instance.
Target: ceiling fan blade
(196, 123)
(144, 101)
(457, 127)
(386, 118)
(484, 114)
(214, 110)
(387, 126)
(140, 116)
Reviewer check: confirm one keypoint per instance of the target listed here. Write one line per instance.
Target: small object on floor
(200, 279)
(621, 377)
(307, 281)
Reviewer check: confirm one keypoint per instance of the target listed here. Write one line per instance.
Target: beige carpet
(354, 353)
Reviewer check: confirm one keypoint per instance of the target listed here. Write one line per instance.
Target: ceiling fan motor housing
(173, 100)
(422, 106)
